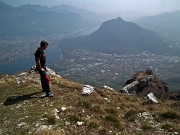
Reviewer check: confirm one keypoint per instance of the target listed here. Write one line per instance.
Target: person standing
(40, 58)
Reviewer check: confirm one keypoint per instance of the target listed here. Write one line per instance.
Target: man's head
(44, 44)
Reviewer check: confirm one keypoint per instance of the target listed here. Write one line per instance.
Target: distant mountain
(30, 22)
(119, 37)
(89, 17)
(5, 7)
(35, 7)
(166, 24)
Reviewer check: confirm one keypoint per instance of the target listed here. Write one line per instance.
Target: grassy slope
(120, 114)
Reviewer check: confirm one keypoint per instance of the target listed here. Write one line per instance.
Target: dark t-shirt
(40, 54)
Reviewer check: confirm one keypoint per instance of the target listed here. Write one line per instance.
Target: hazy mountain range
(166, 24)
(120, 37)
(35, 20)
(113, 36)
(89, 17)
(32, 20)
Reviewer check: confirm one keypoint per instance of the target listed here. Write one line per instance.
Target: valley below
(87, 66)
(113, 70)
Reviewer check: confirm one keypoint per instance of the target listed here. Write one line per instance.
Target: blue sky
(142, 6)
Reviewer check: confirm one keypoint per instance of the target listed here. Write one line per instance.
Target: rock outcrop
(143, 83)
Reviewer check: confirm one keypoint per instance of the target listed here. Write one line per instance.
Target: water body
(26, 63)
(85, 32)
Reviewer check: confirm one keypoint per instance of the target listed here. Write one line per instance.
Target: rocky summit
(143, 83)
(81, 109)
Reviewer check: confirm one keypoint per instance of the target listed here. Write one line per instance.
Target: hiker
(40, 58)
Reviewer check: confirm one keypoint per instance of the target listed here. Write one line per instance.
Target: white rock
(57, 117)
(145, 115)
(42, 119)
(18, 106)
(58, 76)
(176, 133)
(42, 127)
(56, 111)
(67, 123)
(21, 124)
(23, 73)
(106, 99)
(152, 98)
(63, 108)
(79, 123)
(107, 87)
(87, 90)
(17, 80)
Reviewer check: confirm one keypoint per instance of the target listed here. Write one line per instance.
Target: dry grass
(103, 112)
(50, 132)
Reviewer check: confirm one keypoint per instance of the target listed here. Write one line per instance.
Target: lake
(26, 63)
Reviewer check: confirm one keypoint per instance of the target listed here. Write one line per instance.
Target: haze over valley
(94, 48)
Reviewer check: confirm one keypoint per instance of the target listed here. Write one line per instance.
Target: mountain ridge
(121, 37)
(30, 22)
(90, 17)
(5, 6)
(166, 24)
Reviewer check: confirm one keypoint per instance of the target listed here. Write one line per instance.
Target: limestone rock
(143, 83)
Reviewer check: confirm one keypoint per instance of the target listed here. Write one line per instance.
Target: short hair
(43, 43)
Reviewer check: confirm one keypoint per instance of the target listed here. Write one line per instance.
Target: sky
(141, 6)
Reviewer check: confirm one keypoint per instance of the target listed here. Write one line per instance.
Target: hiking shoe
(49, 95)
